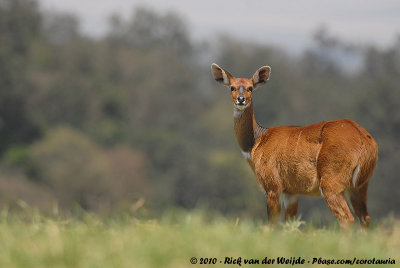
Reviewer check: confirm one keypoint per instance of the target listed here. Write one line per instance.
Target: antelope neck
(247, 130)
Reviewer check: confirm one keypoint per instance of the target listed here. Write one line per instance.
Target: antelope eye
(250, 89)
(232, 88)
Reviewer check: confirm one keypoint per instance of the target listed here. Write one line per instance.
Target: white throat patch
(238, 110)
(237, 113)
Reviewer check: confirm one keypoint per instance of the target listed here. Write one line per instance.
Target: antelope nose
(241, 99)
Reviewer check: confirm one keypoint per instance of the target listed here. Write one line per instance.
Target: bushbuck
(325, 159)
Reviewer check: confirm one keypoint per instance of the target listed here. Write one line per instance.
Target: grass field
(171, 241)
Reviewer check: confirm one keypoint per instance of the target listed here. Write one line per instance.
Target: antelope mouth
(241, 106)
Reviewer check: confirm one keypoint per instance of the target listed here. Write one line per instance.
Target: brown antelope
(325, 159)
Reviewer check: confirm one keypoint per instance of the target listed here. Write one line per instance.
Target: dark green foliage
(101, 123)
(19, 24)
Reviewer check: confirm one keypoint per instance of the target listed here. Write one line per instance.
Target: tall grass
(35, 240)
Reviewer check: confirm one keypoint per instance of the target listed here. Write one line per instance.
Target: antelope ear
(220, 75)
(261, 76)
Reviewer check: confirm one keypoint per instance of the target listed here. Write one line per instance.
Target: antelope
(325, 159)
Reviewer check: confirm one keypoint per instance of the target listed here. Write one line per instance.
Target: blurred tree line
(102, 123)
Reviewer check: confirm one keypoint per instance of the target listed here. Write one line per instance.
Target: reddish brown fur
(246, 83)
(306, 160)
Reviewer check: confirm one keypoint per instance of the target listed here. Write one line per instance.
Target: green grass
(39, 241)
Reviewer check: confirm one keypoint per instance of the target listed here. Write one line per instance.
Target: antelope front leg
(291, 204)
(274, 206)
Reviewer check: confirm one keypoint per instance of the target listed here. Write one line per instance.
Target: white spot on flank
(286, 142)
(246, 155)
(355, 175)
(298, 139)
(288, 199)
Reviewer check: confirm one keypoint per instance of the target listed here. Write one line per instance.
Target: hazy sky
(285, 23)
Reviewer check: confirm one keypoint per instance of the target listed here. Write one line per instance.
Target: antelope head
(241, 88)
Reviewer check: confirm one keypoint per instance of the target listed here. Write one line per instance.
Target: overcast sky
(285, 23)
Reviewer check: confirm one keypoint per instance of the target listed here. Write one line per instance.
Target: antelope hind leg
(358, 199)
(338, 205)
